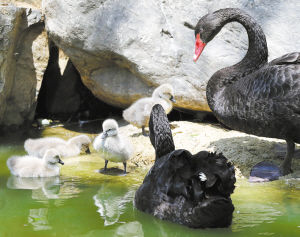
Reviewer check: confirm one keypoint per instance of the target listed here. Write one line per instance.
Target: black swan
(254, 96)
(193, 190)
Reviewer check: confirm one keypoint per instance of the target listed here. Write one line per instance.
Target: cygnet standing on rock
(138, 113)
(72, 147)
(31, 166)
(112, 146)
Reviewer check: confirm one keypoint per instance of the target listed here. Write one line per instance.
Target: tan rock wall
(24, 57)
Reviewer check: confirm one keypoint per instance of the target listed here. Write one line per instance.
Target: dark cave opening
(64, 97)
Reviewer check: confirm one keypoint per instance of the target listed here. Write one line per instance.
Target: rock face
(23, 59)
(123, 49)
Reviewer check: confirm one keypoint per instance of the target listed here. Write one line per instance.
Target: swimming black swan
(254, 96)
(192, 190)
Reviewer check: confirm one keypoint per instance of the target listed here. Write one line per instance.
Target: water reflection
(260, 204)
(38, 218)
(112, 202)
(42, 188)
(45, 188)
(250, 215)
(130, 229)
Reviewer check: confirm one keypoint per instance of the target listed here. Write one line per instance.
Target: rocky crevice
(63, 95)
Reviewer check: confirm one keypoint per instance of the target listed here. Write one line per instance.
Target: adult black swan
(193, 190)
(254, 96)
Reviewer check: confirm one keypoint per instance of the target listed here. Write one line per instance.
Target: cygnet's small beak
(87, 151)
(60, 161)
(104, 135)
(172, 99)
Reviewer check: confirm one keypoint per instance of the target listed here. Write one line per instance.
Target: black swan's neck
(160, 132)
(256, 57)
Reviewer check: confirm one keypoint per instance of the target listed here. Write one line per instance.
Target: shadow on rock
(245, 152)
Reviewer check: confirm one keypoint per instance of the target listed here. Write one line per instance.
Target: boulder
(23, 60)
(123, 49)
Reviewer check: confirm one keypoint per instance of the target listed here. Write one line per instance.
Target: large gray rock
(23, 60)
(123, 49)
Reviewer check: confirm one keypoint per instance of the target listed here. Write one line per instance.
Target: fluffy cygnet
(138, 113)
(112, 146)
(72, 147)
(32, 166)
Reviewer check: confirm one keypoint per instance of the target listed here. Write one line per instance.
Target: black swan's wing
(291, 58)
(279, 80)
(220, 174)
(270, 97)
(160, 132)
(272, 82)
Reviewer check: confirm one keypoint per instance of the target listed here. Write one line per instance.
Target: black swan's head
(211, 24)
(206, 29)
(160, 131)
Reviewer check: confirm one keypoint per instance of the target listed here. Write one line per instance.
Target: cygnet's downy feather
(138, 113)
(32, 166)
(72, 147)
(111, 145)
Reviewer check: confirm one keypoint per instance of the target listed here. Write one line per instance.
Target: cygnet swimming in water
(72, 147)
(138, 113)
(112, 146)
(32, 166)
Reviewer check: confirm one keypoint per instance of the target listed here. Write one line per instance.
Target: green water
(83, 202)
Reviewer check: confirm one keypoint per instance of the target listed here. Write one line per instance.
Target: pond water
(83, 202)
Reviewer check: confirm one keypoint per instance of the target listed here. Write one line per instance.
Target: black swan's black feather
(255, 96)
(290, 58)
(160, 132)
(172, 189)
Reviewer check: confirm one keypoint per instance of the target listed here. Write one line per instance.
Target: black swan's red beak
(199, 46)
